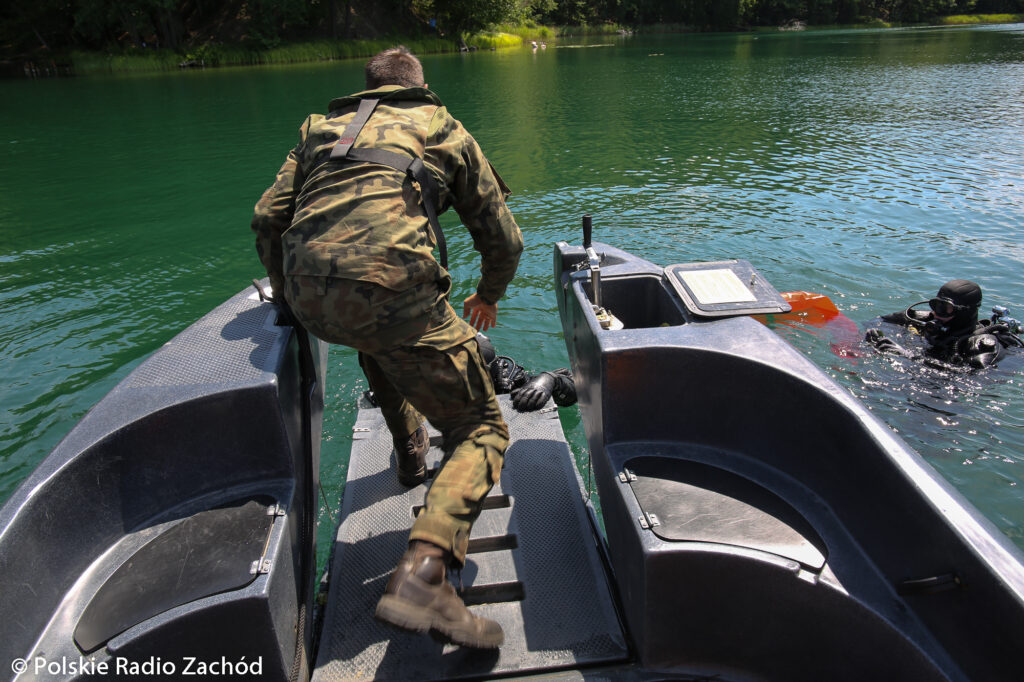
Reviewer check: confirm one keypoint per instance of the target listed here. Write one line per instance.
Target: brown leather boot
(420, 599)
(411, 453)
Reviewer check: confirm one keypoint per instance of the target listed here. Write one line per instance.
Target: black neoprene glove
(534, 394)
(884, 344)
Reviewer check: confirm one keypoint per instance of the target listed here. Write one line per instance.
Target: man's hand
(482, 315)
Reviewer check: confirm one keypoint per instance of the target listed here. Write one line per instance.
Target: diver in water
(951, 327)
(529, 393)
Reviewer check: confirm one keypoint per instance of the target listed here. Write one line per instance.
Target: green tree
(38, 25)
(268, 21)
(456, 17)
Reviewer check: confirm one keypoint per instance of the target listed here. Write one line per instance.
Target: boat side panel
(212, 417)
(738, 613)
(870, 512)
(731, 394)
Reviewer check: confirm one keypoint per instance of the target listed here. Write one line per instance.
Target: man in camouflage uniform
(349, 247)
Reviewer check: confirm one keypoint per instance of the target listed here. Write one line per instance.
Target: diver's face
(943, 309)
(947, 313)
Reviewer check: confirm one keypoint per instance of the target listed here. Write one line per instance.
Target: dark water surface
(870, 166)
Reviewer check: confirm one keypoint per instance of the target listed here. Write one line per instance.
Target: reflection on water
(870, 166)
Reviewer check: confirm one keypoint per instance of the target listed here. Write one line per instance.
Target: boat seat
(207, 553)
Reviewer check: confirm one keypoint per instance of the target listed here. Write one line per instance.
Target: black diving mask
(944, 307)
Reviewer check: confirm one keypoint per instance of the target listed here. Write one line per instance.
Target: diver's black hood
(966, 293)
(961, 292)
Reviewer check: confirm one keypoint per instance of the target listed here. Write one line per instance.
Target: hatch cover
(724, 288)
(698, 502)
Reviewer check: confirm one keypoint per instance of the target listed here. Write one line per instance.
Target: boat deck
(533, 565)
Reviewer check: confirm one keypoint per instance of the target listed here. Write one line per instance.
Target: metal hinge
(649, 521)
(627, 476)
(259, 566)
(360, 429)
(275, 510)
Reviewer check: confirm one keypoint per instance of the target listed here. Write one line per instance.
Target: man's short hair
(396, 66)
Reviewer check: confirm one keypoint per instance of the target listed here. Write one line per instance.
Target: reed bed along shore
(966, 19)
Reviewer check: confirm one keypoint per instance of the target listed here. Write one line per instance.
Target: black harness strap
(351, 132)
(411, 166)
(428, 188)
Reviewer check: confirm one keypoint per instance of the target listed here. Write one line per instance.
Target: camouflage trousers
(437, 372)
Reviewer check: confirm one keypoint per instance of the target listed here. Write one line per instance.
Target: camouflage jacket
(363, 221)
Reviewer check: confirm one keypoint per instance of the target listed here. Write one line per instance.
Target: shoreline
(156, 60)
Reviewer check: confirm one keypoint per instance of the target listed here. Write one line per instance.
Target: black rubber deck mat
(533, 566)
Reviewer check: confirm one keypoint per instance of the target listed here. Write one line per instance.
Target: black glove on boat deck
(534, 394)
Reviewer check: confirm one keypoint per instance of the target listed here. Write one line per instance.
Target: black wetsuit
(976, 344)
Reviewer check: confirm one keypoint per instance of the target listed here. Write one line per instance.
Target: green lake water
(870, 166)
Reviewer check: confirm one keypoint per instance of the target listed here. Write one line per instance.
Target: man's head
(957, 302)
(396, 66)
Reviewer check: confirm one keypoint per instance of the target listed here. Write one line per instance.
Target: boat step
(533, 565)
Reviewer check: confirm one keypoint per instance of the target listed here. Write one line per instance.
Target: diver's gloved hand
(506, 375)
(884, 344)
(535, 393)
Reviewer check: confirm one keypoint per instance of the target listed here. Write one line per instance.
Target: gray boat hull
(759, 523)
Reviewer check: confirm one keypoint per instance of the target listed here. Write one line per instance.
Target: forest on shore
(208, 32)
